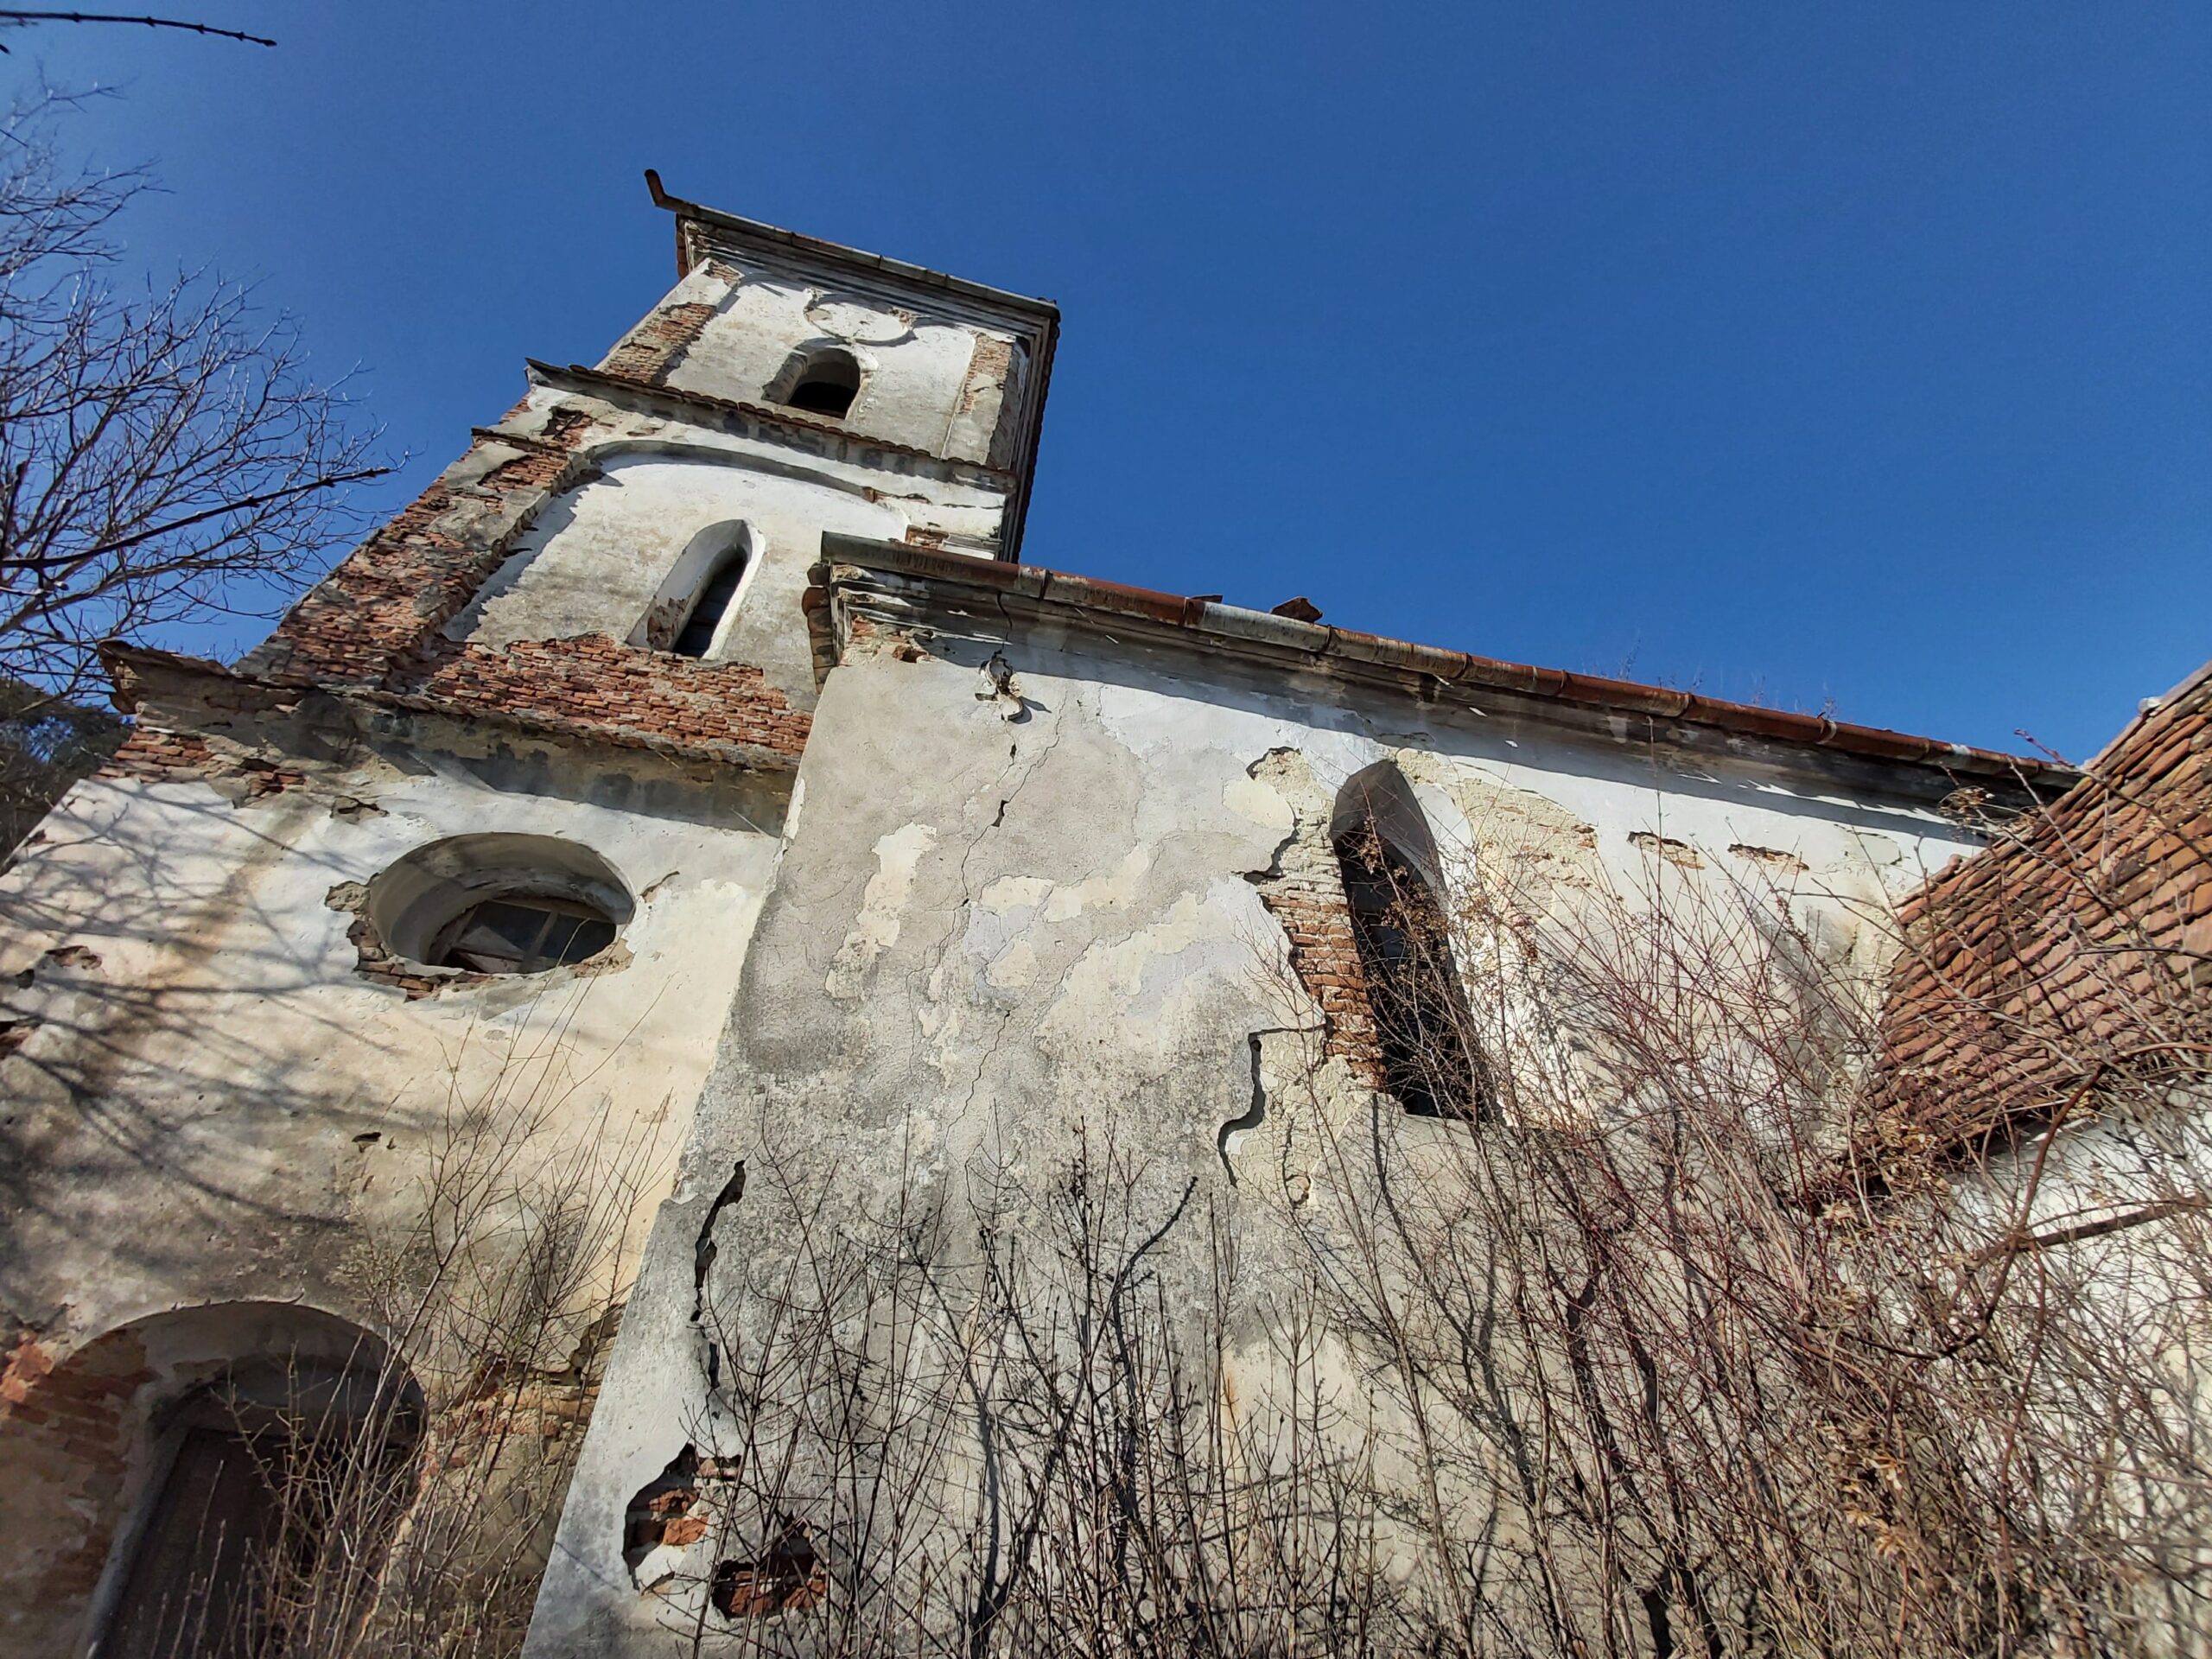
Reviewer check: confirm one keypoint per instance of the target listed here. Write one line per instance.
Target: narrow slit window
(697, 635)
(1422, 1023)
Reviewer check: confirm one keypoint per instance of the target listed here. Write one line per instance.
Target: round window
(498, 904)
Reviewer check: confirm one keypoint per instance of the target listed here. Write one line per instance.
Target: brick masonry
(652, 349)
(2082, 939)
(152, 755)
(376, 623)
(1304, 891)
(72, 1425)
(592, 686)
(649, 351)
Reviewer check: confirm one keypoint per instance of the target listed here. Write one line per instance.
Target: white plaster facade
(1008, 882)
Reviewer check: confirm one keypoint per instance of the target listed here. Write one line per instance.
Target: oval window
(498, 904)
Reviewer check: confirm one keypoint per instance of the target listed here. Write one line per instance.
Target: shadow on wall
(160, 1123)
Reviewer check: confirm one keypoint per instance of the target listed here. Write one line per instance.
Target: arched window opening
(697, 635)
(706, 584)
(827, 383)
(498, 904)
(1423, 1030)
(281, 1481)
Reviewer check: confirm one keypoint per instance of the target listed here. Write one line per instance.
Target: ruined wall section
(2082, 937)
(596, 560)
(380, 622)
(1042, 897)
(1303, 890)
(223, 1090)
(228, 1076)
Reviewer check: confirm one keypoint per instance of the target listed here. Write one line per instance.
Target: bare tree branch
(165, 456)
(22, 17)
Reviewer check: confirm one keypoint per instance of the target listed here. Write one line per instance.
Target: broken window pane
(523, 934)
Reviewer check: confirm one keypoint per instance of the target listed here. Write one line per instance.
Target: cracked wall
(1038, 898)
(218, 1092)
(221, 1078)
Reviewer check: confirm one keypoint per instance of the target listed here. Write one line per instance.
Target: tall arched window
(701, 589)
(705, 621)
(1423, 1030)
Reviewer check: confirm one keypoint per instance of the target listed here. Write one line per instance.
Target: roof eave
(1233, 627)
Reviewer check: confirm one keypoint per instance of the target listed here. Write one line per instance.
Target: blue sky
(1855, 357)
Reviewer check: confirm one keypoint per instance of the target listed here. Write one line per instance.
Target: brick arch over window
(1426, 1051)
(144, 1466)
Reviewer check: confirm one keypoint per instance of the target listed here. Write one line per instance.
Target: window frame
(446, 947)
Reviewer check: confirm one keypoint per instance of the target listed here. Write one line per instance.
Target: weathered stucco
(944, 883)
(1023, 908)
(227, 1088)
(209, 1102)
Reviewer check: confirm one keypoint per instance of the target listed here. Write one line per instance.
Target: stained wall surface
(227, 1090)
(214, 1099)
(1037, 897)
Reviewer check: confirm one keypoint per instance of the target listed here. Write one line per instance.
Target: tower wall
(241, 1073)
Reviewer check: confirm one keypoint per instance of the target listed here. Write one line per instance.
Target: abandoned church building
(836, 1089)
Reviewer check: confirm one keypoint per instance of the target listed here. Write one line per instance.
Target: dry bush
(1632, 1352)
(1631, 1355)
(410, 1498)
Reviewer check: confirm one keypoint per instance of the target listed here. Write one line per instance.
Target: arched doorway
(235, 1472)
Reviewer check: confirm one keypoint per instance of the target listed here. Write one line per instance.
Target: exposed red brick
(2066, 946)
(389, 597)
(1305, 893)
(68, 1427)
(650, 350)
(590, 684)
(152, 755)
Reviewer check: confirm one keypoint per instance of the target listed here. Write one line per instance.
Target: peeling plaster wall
(594, 558)
(208, 1103)
(1017, 907)
(928, 382)
(219, 1085)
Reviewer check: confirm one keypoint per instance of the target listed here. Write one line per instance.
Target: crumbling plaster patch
(236, 1037)
(1054, 926)
(875, 929)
